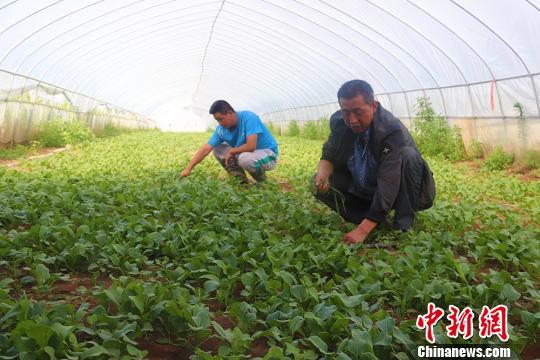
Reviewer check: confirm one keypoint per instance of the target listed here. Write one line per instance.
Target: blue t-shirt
(248, 124)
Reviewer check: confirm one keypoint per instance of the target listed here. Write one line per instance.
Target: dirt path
(43, 153)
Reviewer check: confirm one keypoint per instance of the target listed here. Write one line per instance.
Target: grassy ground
(105, 253)
(17, 152)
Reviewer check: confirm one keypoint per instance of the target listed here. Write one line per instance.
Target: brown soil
(168, 351)
(519, 169)
(156, 351)
(529, 305)
(238, 287)
(8, 163)
(472, 164)
(163, 351)
(215, 305)
(20, 227)
(411, 314)
(259, 347)
(532, 351)
(66, 291)
(523, 172)
(482, 271)
(285, 186)
(528, 177)
(44, 152)
(225, 321)
(212, 345)
(489, 264)
(477, 225)
(77, 281)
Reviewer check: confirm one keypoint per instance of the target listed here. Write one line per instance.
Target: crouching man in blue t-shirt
(240, 142)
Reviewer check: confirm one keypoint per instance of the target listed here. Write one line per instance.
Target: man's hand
(321, 183)
(359, 234)
(228, 157)
(197, 158)
(324, 171)
(249, 146)
(185, 173)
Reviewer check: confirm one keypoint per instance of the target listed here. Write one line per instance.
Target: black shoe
(259, 175)
(386, 224)
(404, 223)
(237, 172)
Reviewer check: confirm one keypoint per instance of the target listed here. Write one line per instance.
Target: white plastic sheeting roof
(163, 58)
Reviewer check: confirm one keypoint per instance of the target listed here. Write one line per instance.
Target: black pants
(354, 206)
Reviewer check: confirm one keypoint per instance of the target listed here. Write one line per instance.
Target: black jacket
(388, 136)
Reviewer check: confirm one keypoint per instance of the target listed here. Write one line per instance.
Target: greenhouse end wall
(515, 135)
(505, 112)
(26, 103)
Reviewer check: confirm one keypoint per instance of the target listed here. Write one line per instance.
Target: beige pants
(252, 162)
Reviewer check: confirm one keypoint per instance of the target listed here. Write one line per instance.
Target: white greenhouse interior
(178, 179)
(158, 63)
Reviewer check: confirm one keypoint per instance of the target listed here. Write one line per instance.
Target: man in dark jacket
(370, 165)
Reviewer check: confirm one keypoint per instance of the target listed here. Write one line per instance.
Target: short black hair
(220, 106)
(353, 88)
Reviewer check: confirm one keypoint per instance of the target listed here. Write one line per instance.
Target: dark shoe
(239, 174)
(235, 170)
(259, 175)
(386, 224)
(404, 223)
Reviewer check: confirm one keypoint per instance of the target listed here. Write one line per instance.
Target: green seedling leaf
(211, 286)
(319, 343)
(95, 351)
(274, 353)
